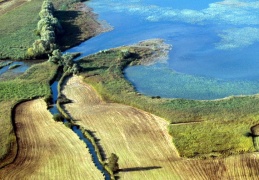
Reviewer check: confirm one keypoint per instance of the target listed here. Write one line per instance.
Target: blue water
(92, 152)
(215, 43)
(53, 110)
(21, 69)
(54, 90)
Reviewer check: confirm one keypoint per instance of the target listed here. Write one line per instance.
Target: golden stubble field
(47, 149)
(142, 143)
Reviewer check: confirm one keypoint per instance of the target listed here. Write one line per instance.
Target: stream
(79, 133)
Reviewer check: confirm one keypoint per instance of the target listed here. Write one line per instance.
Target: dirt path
(142, 143)
(47, 149)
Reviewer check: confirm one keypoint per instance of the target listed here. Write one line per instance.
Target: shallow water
(6, 73)
(214, 42)
(18, 70)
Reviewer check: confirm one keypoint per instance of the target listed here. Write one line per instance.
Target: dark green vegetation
(199, 128)
(33, 83)
(58, 117)
(66, 61)
(113, 162)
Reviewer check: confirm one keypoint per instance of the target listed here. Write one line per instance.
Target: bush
(58, 117)
(113, 163)
(255, 130)
(30, 53)
(64, 100)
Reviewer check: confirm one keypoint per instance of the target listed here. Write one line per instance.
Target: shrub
(58, 117)
(30, 53)
(113, 163)
(255, 130)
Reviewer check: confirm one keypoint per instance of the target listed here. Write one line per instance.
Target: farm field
(33, 83)
(154, 138)
(142, 142)
(47, 149)
(200, 128)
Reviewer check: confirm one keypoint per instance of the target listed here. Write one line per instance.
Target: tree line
(48, 28)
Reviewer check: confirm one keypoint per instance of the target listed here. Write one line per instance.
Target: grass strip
(230, 117)
(33, 83)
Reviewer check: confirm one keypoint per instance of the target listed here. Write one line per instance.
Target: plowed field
(141, 141)
(47, 149)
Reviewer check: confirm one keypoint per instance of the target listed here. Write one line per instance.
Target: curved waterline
(158, 80)
(214, 51)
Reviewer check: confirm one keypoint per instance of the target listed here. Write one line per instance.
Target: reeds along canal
(77, 130)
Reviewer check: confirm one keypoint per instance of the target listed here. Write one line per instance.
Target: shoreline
(87, 27)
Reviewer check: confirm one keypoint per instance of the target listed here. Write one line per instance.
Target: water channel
(8, 72)
(215, 45)
(75, 129)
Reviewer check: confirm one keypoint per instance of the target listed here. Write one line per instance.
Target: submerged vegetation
(199, 128)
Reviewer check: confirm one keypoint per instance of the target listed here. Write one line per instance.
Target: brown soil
(47, 149)
(141, 141)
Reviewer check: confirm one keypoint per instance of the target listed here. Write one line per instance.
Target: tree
(255, 130)
(113, 162)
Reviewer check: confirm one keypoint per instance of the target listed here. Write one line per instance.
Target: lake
(214, 45)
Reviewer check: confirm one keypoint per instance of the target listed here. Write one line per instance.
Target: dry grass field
(47, 149)
(142, 143)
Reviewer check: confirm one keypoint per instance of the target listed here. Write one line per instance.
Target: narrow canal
(76, 129)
